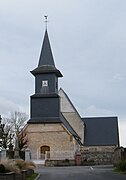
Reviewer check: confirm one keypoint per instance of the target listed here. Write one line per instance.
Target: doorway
(45, 151)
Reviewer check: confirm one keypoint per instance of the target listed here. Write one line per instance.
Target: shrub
(16, 166)
(10, 166)
(20, 164)
(121, 166)
(30, 165)
(2, 168)
(24, 165)
(67, 160)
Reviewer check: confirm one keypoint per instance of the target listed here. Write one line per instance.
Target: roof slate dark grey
(46, 70)
(45, 95)
(46, 63)
(44, 120)
(46, 57)
(101, 131)
(68, 126)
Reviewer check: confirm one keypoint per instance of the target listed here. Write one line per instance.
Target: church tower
(45, 103)
(48, 131)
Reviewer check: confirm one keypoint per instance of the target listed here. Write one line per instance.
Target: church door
(45, 151)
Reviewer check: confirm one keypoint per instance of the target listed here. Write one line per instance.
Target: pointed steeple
(46, 57)
(46, 62)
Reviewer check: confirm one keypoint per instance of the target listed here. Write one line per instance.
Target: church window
(44, 83)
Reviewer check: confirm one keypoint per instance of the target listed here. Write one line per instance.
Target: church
(55, 130)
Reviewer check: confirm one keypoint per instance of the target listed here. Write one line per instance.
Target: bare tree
(5, 135)
(17, 121)
(13, 126)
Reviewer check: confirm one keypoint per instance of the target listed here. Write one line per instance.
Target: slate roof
(46, 57)
(101, 131)
(69, 128)
(46, 69)
(44, 120)
(46, 62)
(45, 95)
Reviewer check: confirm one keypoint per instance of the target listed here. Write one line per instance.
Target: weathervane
(46, 20)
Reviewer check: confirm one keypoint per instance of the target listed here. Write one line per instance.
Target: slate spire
(46, 56)
(46, 62)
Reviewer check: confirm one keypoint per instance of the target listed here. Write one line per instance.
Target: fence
(50, 155)
(11, 154)
(53, 155)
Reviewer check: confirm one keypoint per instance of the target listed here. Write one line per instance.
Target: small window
(44, 83)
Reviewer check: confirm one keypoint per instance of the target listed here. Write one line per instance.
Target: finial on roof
(46, 20)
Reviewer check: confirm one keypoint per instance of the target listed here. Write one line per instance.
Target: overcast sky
(88, 40)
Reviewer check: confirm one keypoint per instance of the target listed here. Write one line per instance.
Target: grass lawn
(32, 177)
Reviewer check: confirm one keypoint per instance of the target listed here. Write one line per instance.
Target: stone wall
(71, 114)
(97, 155)
(53, 135)
(97, 148)
(66, 162)
(96, 158)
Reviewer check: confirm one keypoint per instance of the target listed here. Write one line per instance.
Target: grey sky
(88, 40)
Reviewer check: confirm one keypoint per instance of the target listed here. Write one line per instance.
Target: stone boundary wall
(53, 163)
(87, 159)
(97, 158)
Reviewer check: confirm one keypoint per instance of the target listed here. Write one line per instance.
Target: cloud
(92, 110)
(7, 106)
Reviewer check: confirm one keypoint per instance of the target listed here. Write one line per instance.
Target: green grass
(117, 170)
(32, 177)
(120, 167)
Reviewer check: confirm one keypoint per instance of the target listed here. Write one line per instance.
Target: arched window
(44, 150)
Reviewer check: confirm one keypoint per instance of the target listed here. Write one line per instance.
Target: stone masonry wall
(53, 135)
(71, 114)
(97, 158)
(97, 155)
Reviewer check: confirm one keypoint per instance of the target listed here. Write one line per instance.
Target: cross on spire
(46, 20)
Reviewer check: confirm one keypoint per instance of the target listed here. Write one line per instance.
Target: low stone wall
(66, 162)
(97, 158)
